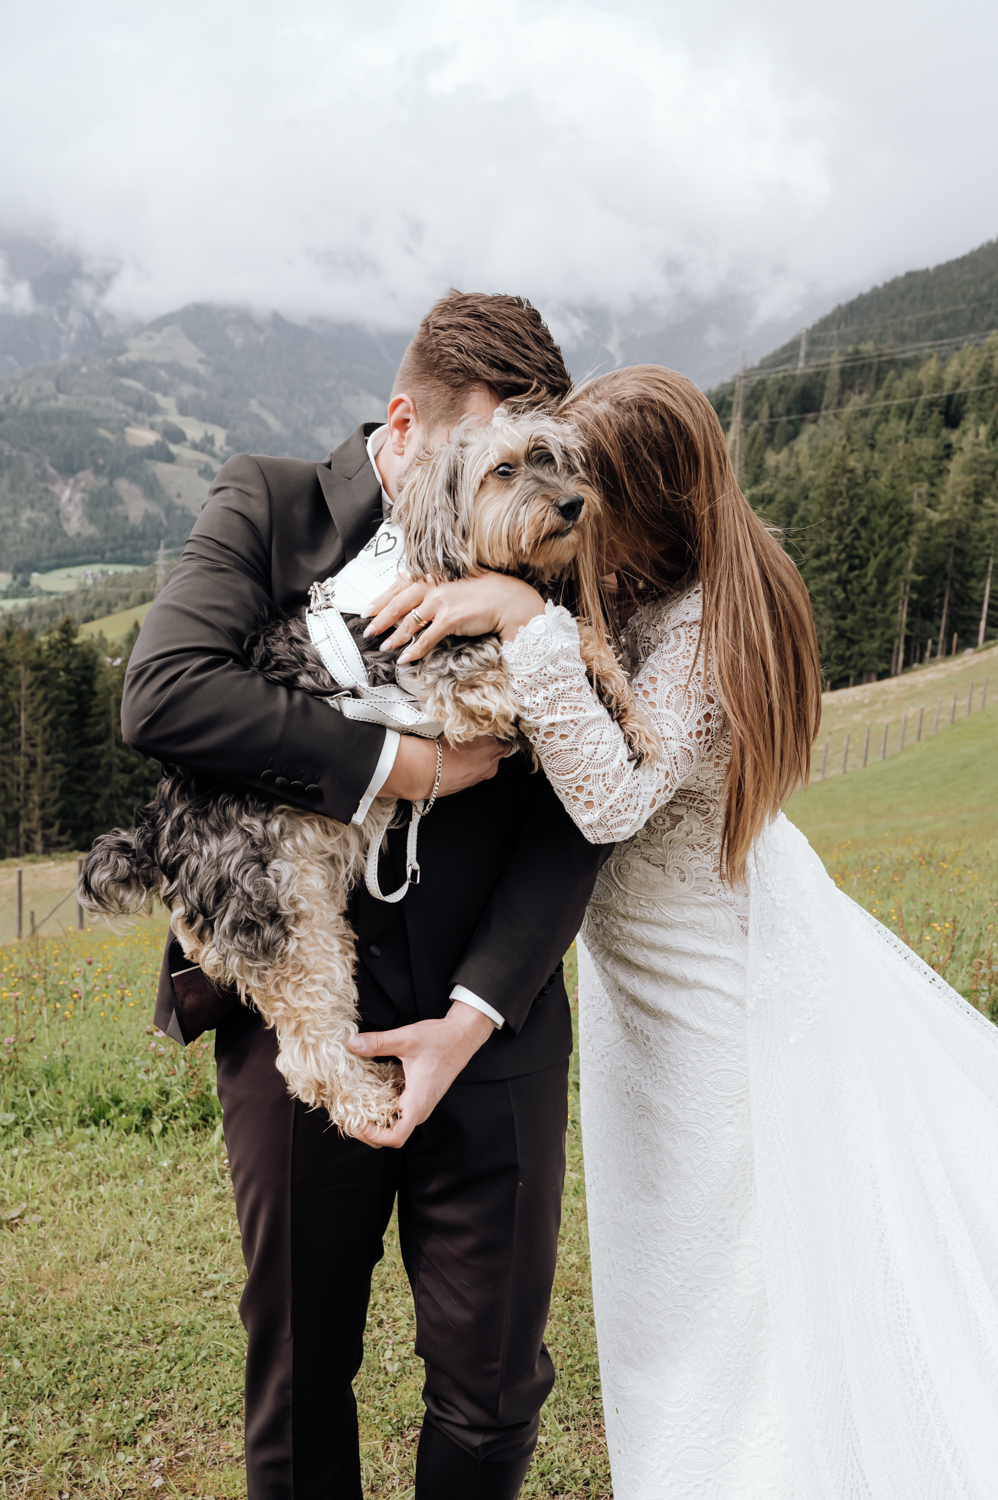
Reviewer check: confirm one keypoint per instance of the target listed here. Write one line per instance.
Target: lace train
(874, 1096)
(791, 1148)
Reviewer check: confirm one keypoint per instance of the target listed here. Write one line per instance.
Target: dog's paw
(644, 743)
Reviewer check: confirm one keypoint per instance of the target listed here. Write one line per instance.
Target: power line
(903, 351)
(936, 312)
(869, 406)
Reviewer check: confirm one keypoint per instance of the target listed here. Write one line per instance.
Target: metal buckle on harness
(412, 875)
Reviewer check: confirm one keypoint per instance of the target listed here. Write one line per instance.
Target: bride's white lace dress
(790, 1127)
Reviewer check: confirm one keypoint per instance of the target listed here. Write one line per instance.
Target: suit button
(374, 951)
(298, 786)
(313, 791)
(267, 775)
(281, 782)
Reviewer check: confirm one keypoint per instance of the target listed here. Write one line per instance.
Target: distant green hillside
(882, 472)
(939, 308)
(942, 788)
(104, 455)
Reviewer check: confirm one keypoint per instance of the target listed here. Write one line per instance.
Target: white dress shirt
(389, 750)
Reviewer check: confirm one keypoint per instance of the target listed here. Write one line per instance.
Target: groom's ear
(404, 430)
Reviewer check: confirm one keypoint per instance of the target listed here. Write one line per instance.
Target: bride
(790, 1123)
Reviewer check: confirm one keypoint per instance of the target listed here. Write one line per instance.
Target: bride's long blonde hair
(673, 514)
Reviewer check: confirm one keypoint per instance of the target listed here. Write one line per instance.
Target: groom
(465, 971)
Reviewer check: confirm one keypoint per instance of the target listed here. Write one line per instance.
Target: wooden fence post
(918, 737)
(883, 742)
(904, 726)
(984, 694)
(19, 902)
(845, 755)
(952, 712)
(866, 746)
(79, 908)
(970, 699)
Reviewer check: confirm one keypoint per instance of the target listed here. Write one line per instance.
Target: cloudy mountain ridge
(110, 448)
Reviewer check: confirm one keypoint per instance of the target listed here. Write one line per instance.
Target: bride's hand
(490, 603)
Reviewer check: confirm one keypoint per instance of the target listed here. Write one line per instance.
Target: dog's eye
(504, 471)
(543, 458)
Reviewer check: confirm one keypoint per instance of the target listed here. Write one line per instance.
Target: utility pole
(737, 420)
(945, 619)
(160, 565)
(897, 661)
(802, 352)
(987, 595)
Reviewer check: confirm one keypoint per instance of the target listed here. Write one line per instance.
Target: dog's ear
(432, 512)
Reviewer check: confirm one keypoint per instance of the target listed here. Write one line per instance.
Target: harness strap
(411, 863)
(419, 811)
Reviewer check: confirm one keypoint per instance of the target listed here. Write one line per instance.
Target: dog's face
(510, 495)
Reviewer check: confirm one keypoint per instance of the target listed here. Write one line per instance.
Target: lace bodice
(667, 814)
(581, 748)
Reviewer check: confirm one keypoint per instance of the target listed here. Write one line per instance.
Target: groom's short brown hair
(471, 339)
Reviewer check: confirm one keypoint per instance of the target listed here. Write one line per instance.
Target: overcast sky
(354, 160)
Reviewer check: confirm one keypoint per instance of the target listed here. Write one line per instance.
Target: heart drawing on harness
(385, 542)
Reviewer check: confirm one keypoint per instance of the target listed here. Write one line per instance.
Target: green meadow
(120, 1272)
(915, 840)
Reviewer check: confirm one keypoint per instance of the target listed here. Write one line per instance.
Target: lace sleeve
(582, 750)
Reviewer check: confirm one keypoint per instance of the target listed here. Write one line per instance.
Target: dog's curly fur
(257, 888)
(462, 512)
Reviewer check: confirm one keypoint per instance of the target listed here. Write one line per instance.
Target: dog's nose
(571, 508)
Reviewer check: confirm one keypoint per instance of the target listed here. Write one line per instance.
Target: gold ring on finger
(418, 618)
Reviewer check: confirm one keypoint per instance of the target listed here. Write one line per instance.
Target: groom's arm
(535, 911)
(190, 696)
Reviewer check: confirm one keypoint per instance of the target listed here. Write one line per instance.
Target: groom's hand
(432, 1054)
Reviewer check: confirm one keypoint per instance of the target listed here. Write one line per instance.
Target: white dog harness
(349, 592)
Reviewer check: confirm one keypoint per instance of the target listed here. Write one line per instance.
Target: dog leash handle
(419, 811)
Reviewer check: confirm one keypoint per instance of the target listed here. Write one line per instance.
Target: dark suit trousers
(479, 1199)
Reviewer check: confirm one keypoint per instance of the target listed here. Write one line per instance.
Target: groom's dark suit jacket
(506, 875)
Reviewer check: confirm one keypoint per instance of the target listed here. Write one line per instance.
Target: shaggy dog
(257, 888)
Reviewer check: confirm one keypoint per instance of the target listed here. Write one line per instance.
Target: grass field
(915, 840)
(115, 627)
(921, 702)
(120, 1345)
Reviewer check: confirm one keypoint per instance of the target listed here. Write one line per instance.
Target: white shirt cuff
(382, 771)
(477, 1003)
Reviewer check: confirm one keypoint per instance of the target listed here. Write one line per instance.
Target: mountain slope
(105, 454)
(882, 472)
(948, 305)
(51, 304)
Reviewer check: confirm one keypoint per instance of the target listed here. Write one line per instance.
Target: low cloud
(327, 159)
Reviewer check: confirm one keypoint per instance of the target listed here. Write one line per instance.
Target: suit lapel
(352, 490)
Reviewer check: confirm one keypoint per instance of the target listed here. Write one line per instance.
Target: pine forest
(881, 471)
(65, 775)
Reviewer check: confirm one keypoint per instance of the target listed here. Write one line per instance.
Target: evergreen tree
(883, 477)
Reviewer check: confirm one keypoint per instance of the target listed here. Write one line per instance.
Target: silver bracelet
(436, 780)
